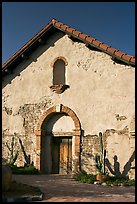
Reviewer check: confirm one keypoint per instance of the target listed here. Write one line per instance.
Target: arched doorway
(58, 141)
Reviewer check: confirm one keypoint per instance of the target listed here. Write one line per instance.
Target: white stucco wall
(99, 88)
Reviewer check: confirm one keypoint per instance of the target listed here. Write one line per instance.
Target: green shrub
(118, 181)
(85, 178)
(30, 169)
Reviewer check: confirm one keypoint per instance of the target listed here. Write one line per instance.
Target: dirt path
(61, 188)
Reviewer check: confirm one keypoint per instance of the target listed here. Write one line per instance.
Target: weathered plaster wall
(101, 93)
(122, 147)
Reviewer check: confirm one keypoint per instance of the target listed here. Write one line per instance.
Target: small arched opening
(59, 72)
(59, 75)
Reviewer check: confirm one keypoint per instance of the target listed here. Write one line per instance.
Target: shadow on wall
(26, 157)
(14, 151)
(116, 170)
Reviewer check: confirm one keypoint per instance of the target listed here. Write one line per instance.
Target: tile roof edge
(129, 59)
(83, 37)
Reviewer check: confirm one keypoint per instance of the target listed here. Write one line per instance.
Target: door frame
(76, 135)
(59, 139)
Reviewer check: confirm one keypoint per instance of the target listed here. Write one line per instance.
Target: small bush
(118, 181)
(85, 178)
(30, 169)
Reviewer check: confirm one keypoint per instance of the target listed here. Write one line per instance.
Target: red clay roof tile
(104, 46)
(132, 59)
(69, 29)
(111, 50)
(76, 32)
(83, 36)
(58, 24)
(89, 39)
(64, 27)
(119, 53)
(96, 42)
(126, 57)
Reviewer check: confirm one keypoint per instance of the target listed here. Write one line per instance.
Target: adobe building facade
(58, 100)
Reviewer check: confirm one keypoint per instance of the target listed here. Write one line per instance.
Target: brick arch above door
(76, 134)
(62, 109)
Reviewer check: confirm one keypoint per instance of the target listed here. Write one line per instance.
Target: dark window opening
(59, 72)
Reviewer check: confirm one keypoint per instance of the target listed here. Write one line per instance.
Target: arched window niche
(59, 75)
(59, 72)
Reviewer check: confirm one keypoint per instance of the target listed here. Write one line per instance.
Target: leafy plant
(30, 169)
(83, 177)
(100, 158)
(120, 181)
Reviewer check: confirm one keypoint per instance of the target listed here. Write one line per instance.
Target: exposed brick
(38, 132)
(77, 141)
(77, 132)
(38, 139)
(77, 124)
(77, 149)
(50, 110)
(72, 114)
(58, 58)
(65, 109)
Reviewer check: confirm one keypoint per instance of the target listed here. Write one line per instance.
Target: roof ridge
(97, 43)
(78, 34)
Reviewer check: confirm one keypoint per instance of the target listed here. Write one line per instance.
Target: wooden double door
(62, 155)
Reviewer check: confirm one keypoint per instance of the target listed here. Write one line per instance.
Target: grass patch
(83, 177)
